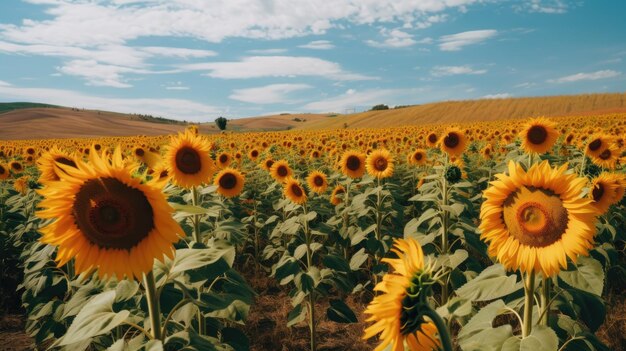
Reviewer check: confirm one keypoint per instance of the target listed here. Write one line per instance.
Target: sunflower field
(487, 236)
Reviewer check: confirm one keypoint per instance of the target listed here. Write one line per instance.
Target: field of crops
(503, 235)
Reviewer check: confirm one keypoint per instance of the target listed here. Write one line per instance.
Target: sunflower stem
(309, 262)
(529, 291)
(377, 229)
(444, 335)
(444, 232)
(196, 217)
(154, 308)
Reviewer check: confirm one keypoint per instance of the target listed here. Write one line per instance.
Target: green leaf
(482, 320)
(340, 312)
(587, 275)
(358, 259)
(299, 252)
(296, 316)
(235, 338)
(189, 259)
(492, 283)
(489, 339)
(95, 318)
(541, 338)
(190, 210)
(337, 263)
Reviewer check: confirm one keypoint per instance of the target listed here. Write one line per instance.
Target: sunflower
(21, 185)
(597, 144)
(604, 191)
(294, 191)
(353, 164)
(105, 218)
(253, 154)
(280, 170)
(539, 135)
(16, 167)
(396, 311)
(418, 157)
(229, 182)
(379, 164)
(334, 196)
(148, 157)
(223, 160)
(533, 220)
(4, 172)
(608, 157)
(47, 164)
(267, 164)
(431, 139)
(487, 152)
(317, 182)
(453, 142)
(187, 159)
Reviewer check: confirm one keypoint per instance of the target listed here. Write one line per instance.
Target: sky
(196, 60)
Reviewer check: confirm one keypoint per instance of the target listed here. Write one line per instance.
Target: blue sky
(197, 60)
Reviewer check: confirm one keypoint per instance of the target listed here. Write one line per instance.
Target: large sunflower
(294, 191)
(396, 311)
(539, 135)
(280, 170)
(229, 182)
(353, 164)
(223, 160)
(105, 218)
(379, 164)
(607, 158)
(605, 191)
(47, 164)
(453, 142)
(596, 144)
(533, 220)
(187, 159)
(317, 182)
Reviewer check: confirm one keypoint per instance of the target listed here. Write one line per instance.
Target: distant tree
(380, 107)
(221, 123)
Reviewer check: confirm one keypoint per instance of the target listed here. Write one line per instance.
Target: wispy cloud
(456, 42)
(544, 6)
(318, 45)
(275, 66)
(4, 84)
(269, 94)
(497, 96)
(604, 74)
(267, 51)
(394, 38)
(176, 86)
(174, 108)
(440, 71)
(351, 99)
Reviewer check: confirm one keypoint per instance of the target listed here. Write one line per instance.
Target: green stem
(196, 217)
(309, 262)
(378, 229)
(582, 165)
(154, 309)
(444, 335)
(444, 230)
(529, 291)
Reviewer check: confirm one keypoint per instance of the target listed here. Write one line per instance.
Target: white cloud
(275, 66)
(430, 20)
(116, 22)
(267, 51)
(440, 71)
(586, 76)
(394, 38)
(4, 84)
(351, 99)
(269, 94)
(176, 86)
(525, 85)
(496, 96)
(544, 6)
(176, 52)
(456, 42)
(174, 108)
(318, 45)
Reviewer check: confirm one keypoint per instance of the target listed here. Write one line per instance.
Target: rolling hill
(35, 121)
(479, 110)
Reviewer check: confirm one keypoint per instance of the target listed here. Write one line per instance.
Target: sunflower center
(188, 160)
(282, 171)
(432, 138)
(269, 163)
(418, 156)
(223, 158)
(65, 161)
(595, 145)
(139, 152)
(318, 181)
(2, 170)
(606, 154)
(353, 163)
(537, 135)
(380, 164)
(112, 214)
(451, 140)
(228, 181)
(535, 217)
(598, 192)
(295, 189)
(254, 153)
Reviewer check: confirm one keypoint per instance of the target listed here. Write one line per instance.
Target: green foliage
(379, 107)
(221, 122)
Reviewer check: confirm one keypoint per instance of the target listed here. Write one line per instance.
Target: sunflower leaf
(492, 283)
(587, 275)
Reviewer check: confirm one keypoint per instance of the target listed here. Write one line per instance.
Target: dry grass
(12, 336)
(480, 110)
